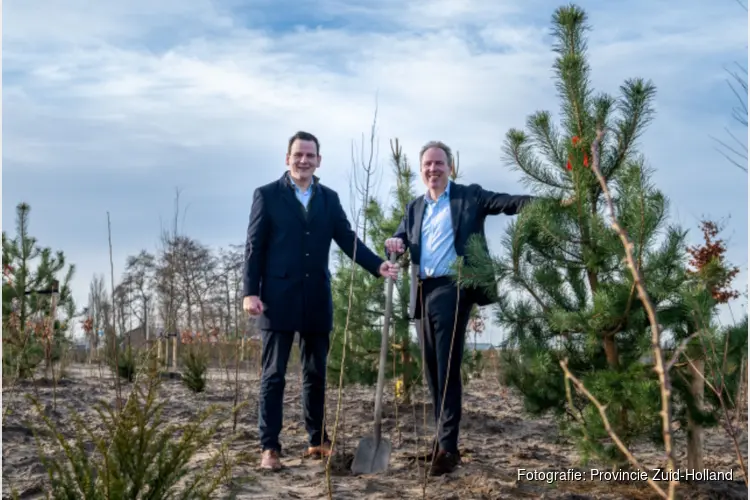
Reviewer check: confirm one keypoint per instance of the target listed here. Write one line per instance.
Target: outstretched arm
(346, 239)
(502, 203)
(256, 246)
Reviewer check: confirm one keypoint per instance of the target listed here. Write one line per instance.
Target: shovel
(374, 452)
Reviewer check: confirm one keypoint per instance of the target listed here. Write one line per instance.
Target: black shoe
(444, 463)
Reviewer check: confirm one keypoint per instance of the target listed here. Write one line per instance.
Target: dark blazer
(470, 206)
(286, 256)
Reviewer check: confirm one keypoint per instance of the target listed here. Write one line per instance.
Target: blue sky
(109, 106)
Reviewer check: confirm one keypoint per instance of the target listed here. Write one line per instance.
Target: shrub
(122, 363)
(195, 362)
(138, 455)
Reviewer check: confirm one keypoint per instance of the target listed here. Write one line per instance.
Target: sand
(497, 440)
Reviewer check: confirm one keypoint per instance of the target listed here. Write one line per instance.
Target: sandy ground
(497, 439)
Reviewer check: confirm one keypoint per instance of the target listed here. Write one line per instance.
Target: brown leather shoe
(324, 450)
(269, 460)
(444, 463)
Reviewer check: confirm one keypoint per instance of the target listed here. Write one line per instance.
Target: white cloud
(205, 94)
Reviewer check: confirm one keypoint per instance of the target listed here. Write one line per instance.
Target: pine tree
(563, 288)
(405, 356)
(356, 298)
(711, 352)
(365, 316)
(30, 274)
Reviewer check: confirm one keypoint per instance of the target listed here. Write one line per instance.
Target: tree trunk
(610, 350)
(740, 399)
(694, 429)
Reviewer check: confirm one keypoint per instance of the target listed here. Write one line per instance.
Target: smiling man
(287, 284)
(435, 229)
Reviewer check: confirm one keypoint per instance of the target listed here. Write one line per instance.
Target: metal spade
(373, 453)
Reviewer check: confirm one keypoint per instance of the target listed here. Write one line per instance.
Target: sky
(112, 106)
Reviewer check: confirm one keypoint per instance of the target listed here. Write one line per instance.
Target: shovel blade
(372, 456)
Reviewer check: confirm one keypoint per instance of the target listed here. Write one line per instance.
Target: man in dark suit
(435, 229)
(287, 284)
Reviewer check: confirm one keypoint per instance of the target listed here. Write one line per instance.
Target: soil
(497, 440)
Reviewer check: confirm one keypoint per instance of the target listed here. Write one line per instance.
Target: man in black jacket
(287, 284)
(435, 229)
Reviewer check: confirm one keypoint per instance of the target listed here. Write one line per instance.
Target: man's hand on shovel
(389, 270)
(395, 245)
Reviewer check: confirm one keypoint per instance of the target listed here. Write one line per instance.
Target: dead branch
(662, 373)
(680, 350)
(719, 392)
(603, 413)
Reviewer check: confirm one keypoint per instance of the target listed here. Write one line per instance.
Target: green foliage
(692, 321)
(726, 372)
(632, 393)
(30, 334)
(366, 295)
(123, 362)
(564, 289)
(195, 361)
(363, 329)
(723, 350)
(136, 454)
(127, 366)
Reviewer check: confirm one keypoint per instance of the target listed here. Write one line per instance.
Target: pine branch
(569, 377)
(547, 137)
(635, 106)
(569, 27)
(519, 154)
(522, 281)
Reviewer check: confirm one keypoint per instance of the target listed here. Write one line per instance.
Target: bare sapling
(659, 364)
(114, 341)
(699, 383)
(238, 347)
(334, 433)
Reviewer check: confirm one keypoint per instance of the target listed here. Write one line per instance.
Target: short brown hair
(303, 136)
(440, 145)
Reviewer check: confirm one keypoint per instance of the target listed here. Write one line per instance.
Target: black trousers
(274, 359)
(436, 321)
